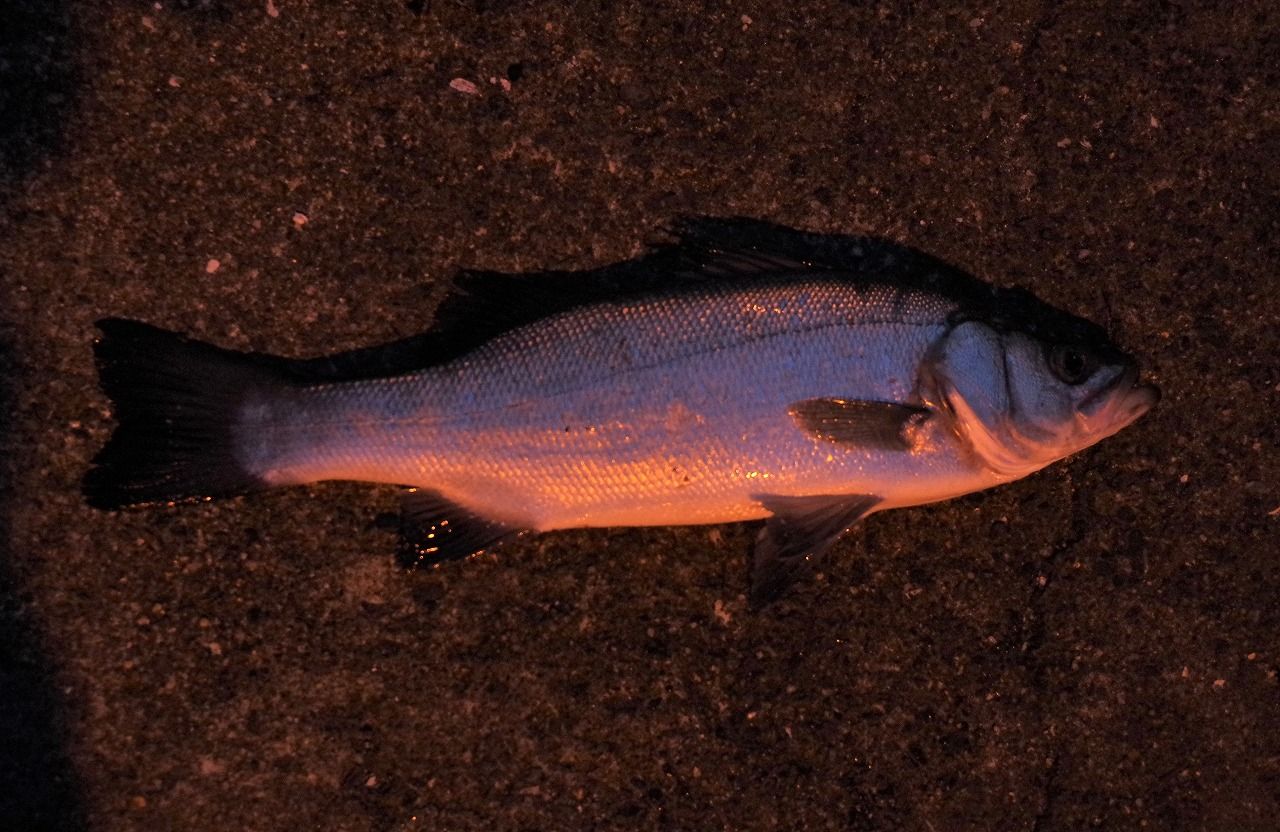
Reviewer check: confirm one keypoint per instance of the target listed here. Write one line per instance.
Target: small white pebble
(299, 219)
(464, 86)
(212, 266)
(272, 11)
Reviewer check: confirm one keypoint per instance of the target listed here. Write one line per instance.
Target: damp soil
(1093, 647)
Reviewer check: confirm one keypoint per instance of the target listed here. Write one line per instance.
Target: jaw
(1115, 406)
(1009, 453)
(1003, 451)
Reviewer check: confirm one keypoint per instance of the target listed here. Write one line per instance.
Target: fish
(739, 371)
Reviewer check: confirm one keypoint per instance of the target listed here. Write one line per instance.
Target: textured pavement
(1093, 647)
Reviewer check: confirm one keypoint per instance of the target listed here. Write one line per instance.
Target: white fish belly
(666, 413)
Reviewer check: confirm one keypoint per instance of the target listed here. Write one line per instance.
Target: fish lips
(1122, 399)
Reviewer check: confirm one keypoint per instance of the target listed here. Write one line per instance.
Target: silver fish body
(751, 385)
(659, 412)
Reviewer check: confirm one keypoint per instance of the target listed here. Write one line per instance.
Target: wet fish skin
(768, 388)
(660, 412)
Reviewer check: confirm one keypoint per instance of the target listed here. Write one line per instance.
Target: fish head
(1022, 398)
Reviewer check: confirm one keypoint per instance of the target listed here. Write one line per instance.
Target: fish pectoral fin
(868, 424)
(797, 534)
(434, 529)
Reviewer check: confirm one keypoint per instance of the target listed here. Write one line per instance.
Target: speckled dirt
(1095, 646)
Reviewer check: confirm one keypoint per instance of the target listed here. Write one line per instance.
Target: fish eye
(1071, 364)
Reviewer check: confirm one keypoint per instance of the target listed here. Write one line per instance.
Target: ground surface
(1093, 647)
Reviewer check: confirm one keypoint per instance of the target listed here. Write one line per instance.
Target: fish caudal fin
(176, 403)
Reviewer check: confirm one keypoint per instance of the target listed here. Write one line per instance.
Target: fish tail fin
(177, 402)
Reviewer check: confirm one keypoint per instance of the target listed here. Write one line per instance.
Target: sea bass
(743, 372)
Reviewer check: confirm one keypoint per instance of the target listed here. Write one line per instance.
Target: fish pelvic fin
(797, 534)
(434, 529)
(176, 402)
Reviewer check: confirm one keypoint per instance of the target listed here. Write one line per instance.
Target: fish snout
(1140, 399)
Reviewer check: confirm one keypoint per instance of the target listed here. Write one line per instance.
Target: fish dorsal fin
(887, 426)
(744, 263)
(405, 355)
(434, 529)
(482, 305)
(485, 304)
(797, 534)
(704, 252)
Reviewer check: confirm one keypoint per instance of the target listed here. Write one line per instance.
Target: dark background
(1095, 646)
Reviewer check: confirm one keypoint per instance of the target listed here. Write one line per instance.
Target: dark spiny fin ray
(860, 257)
(866, 424)
(434, 529)
(176, 402)
(797, 535)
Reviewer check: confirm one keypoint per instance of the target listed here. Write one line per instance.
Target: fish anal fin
(434, 529)
(797, 534)
(869, 424)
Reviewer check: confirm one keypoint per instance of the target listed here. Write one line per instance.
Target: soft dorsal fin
(404, 355)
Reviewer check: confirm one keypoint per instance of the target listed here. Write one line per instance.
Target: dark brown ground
(1093, 647)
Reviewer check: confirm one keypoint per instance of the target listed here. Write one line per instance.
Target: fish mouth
(1140, 399)
(1122, 398)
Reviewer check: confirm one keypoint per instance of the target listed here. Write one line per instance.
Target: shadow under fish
(741, 371)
